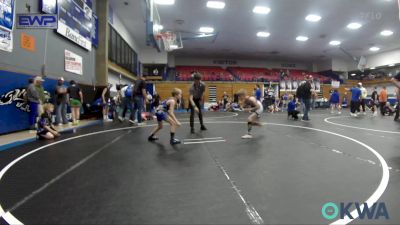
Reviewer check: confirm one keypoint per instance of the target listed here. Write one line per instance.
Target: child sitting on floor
(45, 126)
(233, 107)
(292, 112)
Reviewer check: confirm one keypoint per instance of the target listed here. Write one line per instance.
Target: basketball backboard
(153, 25)
(156, 35)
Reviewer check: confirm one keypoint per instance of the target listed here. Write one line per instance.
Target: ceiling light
(261, 10)
(387, 33)
(158, 27)
(164, 2)
(372, 68)
(391, 65)
(302, 38)
(354, 26)
(206, 29)
(353, 74)
(216, 4)
(263, 34)
(313, 18)
(374, 49)
(334, 43)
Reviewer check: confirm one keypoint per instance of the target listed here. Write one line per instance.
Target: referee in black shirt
(196, 93)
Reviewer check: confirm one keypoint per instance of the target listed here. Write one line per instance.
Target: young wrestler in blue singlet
(165, 112)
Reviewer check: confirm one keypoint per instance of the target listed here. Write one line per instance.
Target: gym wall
(28, 62)
(18, 66)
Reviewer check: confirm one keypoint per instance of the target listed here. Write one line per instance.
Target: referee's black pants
(197, 102)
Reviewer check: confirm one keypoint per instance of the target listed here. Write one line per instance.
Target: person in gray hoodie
(34, 101)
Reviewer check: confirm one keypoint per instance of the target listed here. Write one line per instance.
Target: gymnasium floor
(111, 174)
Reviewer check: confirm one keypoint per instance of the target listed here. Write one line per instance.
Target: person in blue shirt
(335, 102)
(292, 112)
(257, 92)
(355, 100)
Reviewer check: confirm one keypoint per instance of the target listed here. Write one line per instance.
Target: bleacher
(210, 73)
(299, 75)
(261, 74)
(254, 74)
(213, 73)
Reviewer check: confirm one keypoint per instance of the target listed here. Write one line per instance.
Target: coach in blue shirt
(355, 99)
(258, 92)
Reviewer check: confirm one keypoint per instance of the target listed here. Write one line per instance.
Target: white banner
(74, 36)
(6, 40)
(317, 86)
(283, 85)
(335, 84)
(73, 63)
(289, 84)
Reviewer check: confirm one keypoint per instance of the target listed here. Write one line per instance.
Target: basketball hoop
(169, 39)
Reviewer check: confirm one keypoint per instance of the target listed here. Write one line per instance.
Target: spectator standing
(282, 75)
(118, 101)
(42, 96)
(75, 101)
(375, 101)
(235, 98)
(335, 101)
(121, 94)
(355, 100)
(61, 99)
(304, 93)
(105, 98)
(225, 98)
(383, 97)
(364, 94)
(34, 101)
(126, 94)
(139, 99)
(257, 92)
(344, 102)
(396, 82)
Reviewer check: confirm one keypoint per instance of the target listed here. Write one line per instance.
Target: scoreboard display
(49, 6)
(75, 21)
(7, 14)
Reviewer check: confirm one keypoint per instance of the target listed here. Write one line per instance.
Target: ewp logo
(330, 211)
(48, 21)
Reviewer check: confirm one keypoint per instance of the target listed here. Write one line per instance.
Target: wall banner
(73, 63)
